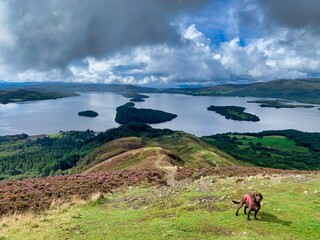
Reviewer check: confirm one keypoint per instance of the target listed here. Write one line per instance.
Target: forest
(234, 113)
(285, 149)
(56, 154)
(88, 113)
(127, 113)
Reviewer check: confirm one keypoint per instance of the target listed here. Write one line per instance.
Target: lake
(51, 116)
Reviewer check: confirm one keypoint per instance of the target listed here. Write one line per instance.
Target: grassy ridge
(192, 150)
(200, 209)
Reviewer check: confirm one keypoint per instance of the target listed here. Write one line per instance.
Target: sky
(159, 42)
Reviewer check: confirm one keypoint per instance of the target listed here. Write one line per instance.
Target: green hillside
(23, 156)
(286, 149)
(175, 149)
(305, 90)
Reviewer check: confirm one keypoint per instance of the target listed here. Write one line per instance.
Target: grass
(55, 135)
(192, 150)
(280, 143)
(187, 210)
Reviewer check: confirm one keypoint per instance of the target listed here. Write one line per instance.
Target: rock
(306, 192)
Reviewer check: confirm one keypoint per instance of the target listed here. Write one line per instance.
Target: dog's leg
(239, 206)
(249, 212)
(255, 214)
(245, 209)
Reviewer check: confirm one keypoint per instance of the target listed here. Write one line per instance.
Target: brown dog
(252, 202)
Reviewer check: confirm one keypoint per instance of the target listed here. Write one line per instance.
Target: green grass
(192, 150)
(55, 135)
(280, 143)
(198, 210)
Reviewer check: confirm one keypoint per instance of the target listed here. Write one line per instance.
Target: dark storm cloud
(50, 34)
(292, 13)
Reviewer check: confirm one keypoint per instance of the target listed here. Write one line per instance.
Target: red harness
(254, 205)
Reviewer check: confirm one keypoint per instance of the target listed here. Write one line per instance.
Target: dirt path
(169, 170)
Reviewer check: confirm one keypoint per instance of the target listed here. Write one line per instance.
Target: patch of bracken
(37, 194)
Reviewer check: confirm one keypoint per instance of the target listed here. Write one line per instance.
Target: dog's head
(257, 197)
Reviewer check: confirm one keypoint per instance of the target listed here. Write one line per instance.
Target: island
(127, 113)
(88, 113)
(234, 113)
(134, 95)
(23, 95)
(279, 104)
(137, 100)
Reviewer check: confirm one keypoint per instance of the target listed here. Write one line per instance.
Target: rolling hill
(304, 90)
(142, 158)
(177, 149)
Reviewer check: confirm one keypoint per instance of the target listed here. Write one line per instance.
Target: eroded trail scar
(169, 170)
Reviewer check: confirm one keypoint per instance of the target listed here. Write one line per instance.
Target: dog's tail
(236, 202)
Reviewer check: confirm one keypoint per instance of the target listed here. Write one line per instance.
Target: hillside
(109, 150)
(197, 206)
(23, 156)
(22, 95)
(286, 149)
(303, 90)
(177, 149)
(142, 158)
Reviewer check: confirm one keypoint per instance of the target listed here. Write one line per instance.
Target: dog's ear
(254, 196)
(261, 197)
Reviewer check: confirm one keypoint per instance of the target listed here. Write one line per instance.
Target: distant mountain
(22, 95)
(306, 90)
(302, 90)
(91, 87)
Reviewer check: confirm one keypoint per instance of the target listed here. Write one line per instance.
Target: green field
(280, 143)
(200, 209)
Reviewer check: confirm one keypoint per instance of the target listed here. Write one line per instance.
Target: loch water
(52, 116)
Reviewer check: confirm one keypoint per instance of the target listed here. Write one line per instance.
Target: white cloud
(272, 52)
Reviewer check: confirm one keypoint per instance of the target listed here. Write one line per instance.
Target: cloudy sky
(159, 42)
